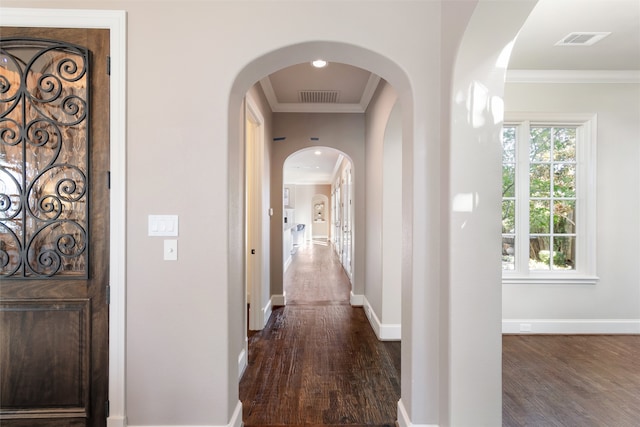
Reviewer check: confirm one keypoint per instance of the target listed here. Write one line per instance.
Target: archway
(335, 52)
(313, 173)
(441, 383)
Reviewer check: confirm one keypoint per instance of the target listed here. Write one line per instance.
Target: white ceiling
(307, 167)
(534, 53)
(551, 20)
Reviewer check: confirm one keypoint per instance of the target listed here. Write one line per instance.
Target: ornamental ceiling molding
(573, 76)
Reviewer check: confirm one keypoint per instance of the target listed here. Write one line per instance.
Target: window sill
(550, 280)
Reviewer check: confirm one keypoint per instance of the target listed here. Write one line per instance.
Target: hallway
(318, 362)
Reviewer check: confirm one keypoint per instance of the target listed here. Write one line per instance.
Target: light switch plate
(163, 225)
(171, 250)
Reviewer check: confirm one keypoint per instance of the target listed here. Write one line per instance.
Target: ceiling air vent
(318, 96)
(581, 39)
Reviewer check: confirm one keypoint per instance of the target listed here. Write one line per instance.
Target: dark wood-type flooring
(571, 380)
(317, 362)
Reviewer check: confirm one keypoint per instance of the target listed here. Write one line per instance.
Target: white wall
(304, 204)
(616, 297)
(473, 202)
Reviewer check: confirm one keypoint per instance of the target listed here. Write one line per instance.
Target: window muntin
(552, 197)
(548, 200)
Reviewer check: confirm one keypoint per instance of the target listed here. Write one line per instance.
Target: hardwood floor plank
(318, 362)
(571, 380)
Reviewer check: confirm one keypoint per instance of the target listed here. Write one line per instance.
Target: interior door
(254, 246)
(54, 228)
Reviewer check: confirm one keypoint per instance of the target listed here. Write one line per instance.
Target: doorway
(256, 226)
(55, 221)
(320, 200)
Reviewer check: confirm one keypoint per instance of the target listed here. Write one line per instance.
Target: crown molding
(369, 90)
(299, 107)
(573, 76)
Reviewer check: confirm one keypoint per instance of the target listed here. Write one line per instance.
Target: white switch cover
(163, 225)
(170, 250)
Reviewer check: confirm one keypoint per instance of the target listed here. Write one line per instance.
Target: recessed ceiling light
(319, 63)
(317, 153)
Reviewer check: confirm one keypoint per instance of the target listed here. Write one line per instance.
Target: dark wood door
(54, 238)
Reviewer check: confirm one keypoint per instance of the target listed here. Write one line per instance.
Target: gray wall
(383, 235)
(344, 132)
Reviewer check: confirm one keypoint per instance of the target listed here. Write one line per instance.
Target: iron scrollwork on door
(44, 137)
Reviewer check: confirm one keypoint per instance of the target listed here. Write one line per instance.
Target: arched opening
(348, 181)
(311, 178)
(318, 203)
(437, 302)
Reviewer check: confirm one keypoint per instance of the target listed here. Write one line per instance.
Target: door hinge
(106, 409)
(109, 180)
(108, 294)
(108, 65)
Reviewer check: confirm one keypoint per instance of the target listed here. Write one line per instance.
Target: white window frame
(585, 272)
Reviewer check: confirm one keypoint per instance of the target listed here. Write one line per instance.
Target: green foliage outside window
(552, 197)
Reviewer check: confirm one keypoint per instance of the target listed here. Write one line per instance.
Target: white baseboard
(116, 422)
(266, 313)
(287, 263)
(242, 362)
(278, 300)
(356, 300)
(405, 421)
(571, 326)
(384, 332)
(236, 418)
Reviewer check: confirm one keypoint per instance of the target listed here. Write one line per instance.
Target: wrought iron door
(44, 122)
(53, 227)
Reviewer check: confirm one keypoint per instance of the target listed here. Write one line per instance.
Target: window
(548, 199)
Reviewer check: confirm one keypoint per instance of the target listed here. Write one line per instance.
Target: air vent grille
(318, 96)
(581, 39)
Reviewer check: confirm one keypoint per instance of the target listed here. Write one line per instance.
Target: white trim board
(242, 362)
(297, 107)
(384, 331)
(571, 326)
(287, 263)
(236, 420)
(266, 312)
(405, 421)
(115, 21)
(356, 300)
(573, 76)
(278, 300)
